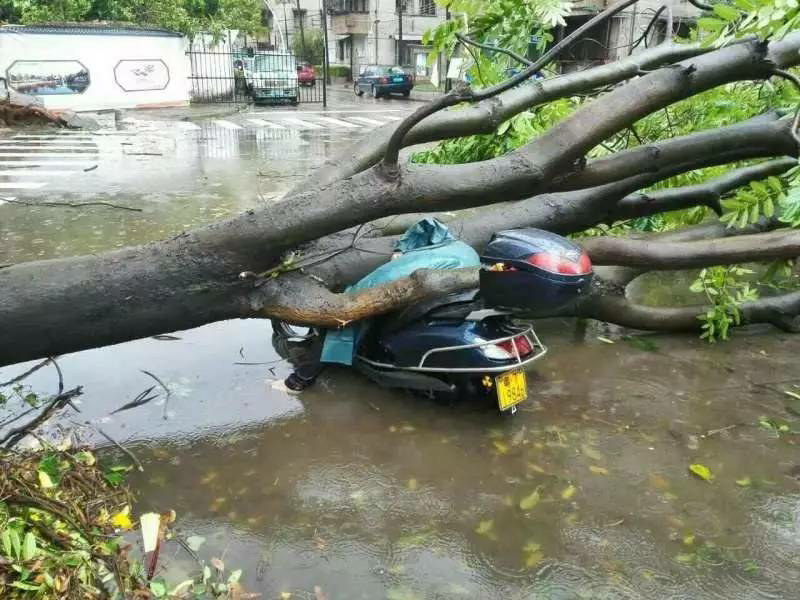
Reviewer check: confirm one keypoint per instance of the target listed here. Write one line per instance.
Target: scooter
(472, 344)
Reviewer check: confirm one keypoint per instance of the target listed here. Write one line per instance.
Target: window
(427, 8)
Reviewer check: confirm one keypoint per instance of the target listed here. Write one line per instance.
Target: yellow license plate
(512, 388)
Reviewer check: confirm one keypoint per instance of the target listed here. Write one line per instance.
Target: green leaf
(16, 543)
(5, 537)
(726, 12)
(28, 587)
(744, 482)
(701, 471)
(29, 546)
(159, 588)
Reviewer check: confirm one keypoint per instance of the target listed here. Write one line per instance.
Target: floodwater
(350, 491)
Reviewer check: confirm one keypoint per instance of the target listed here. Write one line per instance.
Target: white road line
(35, 173)
(338, 123)
(301, 124)
(57, 148)
(48, 163)
(365, 120)
(226, 124)
(187, 125)
(263, 123)
(22, 185)
(54, 136)
(50, 142)
(43, 154)
(393, 118)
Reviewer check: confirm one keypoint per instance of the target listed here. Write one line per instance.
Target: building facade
(361, 32)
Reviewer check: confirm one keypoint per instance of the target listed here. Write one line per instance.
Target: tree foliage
(310, 48)
(186, 16)
(508, 25)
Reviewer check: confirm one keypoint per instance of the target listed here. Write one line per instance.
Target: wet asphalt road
(360, 492)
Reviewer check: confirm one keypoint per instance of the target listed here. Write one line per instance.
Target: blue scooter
(472, 344)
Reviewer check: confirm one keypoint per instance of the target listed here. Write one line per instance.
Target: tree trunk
(212, 273)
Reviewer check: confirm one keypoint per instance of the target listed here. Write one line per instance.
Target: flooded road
(362, 493)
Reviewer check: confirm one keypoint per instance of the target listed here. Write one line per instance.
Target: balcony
(350, 23)
(342, 7)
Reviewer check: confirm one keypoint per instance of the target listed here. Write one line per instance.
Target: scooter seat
(452, 306)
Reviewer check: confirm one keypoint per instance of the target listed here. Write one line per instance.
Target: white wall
(125, 71)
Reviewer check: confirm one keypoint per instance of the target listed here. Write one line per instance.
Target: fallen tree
(291, 259)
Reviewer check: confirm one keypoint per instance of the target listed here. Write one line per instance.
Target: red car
(306, 74)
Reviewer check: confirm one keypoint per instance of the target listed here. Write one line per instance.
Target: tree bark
(63, 305)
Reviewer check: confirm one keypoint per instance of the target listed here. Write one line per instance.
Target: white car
(273, 78)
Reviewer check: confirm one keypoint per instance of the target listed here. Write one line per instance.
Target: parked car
(274, 78)
(381, 80)
(306, 74)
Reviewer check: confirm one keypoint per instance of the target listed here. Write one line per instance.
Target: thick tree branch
(486, 116)
(781, 311)
(465, 94)
(670, 256)
(303, 301)
(708, 194)
(746, 140)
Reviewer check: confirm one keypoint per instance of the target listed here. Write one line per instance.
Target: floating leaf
(598, 470)
(568, 492)
(591, 452)
(194, 542)
(688, 539)
(701, 471)
(530, 501)
(605, 340)
(485, 527)
(218, 564)
(532, 554)
(412, 484)
(500, 446)
(744, 482)
(685, 558)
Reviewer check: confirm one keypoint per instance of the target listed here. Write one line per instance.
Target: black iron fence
(222, 74)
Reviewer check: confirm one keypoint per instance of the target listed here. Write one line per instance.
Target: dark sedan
(382, 80)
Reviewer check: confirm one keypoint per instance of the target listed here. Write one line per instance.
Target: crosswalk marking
(34, 173)
(366, 120)
(50, 142)
(226, 124)
(54, 136)
(301, 124)
(57, 148)
(22, 185)
(263, 123)
(338, 122)
(49, 163)
(188, 125)
(44, 154)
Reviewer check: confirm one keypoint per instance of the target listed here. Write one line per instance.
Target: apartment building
(362, 32)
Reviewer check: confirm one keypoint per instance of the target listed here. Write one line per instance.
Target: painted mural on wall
(48, 77)
(141, 75)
